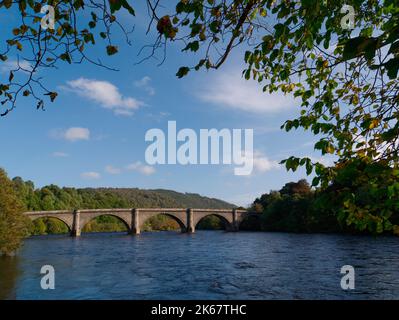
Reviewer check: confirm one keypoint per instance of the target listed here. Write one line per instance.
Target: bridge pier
(135, 228)
(190, 221)
(235, 224)
(76, 231)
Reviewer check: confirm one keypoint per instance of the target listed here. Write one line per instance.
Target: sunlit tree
(13, 225)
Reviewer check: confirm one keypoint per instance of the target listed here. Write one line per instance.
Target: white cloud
(76, 133)
(106, 94)
(232, 91)
(59, 154)
(72, 134)
(112, 170)
(136, 166)
(9, 65)
(142, 168)
(261, 164)
(91, 175)
(144, 83)
(264, 164)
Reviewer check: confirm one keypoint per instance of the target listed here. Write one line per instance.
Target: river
(204, 265)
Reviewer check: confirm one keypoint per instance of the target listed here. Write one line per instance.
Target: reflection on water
(204, 265)
(8, 277)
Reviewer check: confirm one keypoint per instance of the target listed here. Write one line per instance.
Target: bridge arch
(64, 221)
(177, 217)
(226, 220)
(87, 216)
(86, 222)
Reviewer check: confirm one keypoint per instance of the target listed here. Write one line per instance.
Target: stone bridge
(134, 219)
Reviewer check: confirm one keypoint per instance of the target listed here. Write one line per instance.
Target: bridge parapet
(54, 212)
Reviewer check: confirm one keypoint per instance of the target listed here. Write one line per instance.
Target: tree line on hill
(53, 197)
(299, 208)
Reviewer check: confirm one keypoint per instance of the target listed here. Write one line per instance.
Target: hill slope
(134, 197)
(53, 197)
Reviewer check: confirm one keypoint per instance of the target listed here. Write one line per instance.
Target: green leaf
(183, 71)
(7, 3)
(111, 50)
(126, 5)
(52, 95)
(66, 57)
(115, 5)
(360, 46)
(392, 67)
(193, 46)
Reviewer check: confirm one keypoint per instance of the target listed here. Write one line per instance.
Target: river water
(204, 265)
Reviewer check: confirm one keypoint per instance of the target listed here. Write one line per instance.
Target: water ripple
(206, 265)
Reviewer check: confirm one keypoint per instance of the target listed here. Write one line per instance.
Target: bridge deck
(131, 209)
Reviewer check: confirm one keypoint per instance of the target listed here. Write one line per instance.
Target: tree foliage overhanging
(13, 225)
(345, 79)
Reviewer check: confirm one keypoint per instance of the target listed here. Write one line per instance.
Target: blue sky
(93, 135)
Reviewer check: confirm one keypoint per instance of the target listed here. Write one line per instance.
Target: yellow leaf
(374, 123)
